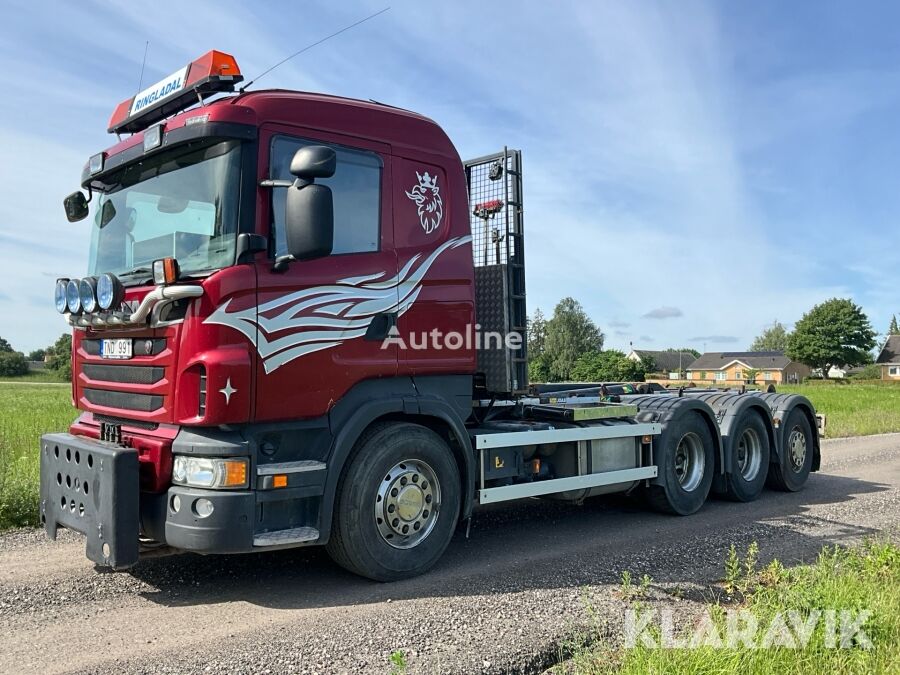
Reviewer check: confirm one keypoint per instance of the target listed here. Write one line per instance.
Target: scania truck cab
(279, 343)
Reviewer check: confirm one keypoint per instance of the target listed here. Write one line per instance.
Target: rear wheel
(749, 458)
(791, 472)
(686, 464)
(397, 503)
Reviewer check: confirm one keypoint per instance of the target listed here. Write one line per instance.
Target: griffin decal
(427, 197)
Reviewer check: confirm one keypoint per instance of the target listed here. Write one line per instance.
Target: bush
(61, 357)
(607, 366)
(869, 372)
(13, 364)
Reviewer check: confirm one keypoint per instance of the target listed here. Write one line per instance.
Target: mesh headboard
(495, 216)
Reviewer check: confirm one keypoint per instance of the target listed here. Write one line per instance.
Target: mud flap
(92, 487)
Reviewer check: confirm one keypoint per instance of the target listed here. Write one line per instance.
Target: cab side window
(355, 186)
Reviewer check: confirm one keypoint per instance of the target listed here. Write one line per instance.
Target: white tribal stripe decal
(326, 316)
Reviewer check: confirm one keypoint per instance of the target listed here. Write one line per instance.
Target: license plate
(115, 349)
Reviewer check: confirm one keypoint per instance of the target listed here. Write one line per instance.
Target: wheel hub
(407, 504)
(749, 454)
(689, 462)
(410, 502)
(797, 445)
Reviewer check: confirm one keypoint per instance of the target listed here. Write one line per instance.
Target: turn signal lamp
(209, 472)
(279, 480)
(212, 73)
(235, 473)
(165, 271)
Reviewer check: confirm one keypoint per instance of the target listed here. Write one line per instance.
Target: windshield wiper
(137, 271)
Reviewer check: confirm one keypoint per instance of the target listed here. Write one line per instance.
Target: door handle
(380, 326)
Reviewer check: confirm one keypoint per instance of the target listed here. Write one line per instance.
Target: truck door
(322, 323)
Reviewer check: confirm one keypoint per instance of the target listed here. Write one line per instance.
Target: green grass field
(26, 411)
(35, 376)
(29, 408)
(857, 409)
(863, 578)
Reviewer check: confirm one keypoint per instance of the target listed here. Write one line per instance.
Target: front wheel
(397, 503)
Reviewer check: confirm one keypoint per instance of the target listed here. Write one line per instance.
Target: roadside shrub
(12, 364)
(869, 372)
(61, 357)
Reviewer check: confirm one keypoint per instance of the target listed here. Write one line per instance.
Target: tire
(410, 470)
(750, 453)
(791, 471)
(682, 490)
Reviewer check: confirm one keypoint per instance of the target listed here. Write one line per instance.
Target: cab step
(295, 535)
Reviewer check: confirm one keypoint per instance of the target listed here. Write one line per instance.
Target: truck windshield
(180, 203)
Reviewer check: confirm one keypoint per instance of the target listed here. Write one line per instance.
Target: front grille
(124, 400)
(124, 374)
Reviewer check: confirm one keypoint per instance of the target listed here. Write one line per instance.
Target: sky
(693, 170)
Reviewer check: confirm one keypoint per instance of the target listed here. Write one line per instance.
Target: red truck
(303, 324)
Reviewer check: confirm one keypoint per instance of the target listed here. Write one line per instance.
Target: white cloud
(644, 147)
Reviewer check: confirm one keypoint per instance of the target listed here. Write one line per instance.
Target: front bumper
(228, 529)
(92, 487)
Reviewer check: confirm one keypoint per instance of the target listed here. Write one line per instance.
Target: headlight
(73, 296)
(110, 291)
(60, 296)
(208, 472)
(87, 289)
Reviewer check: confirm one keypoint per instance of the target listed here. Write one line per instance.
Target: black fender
(663, 409)
(783, 405)
(728, 408)
(428, 398)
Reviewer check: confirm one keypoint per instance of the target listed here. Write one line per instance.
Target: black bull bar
(92, 487)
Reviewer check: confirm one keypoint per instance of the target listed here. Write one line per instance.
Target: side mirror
(309, 208)
(76, 205)
(314, 161)
(309, 221)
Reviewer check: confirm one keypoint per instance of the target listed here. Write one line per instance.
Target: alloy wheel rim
(407, 504)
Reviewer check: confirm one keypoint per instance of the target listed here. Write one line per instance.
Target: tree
(751, 374)
(61, 356)
(537, 334)
(12, 364)
(772, 339)
(5, 347)
(539, 368)
(834, 333)
(570, 334)
(894, 329)
(37, 355)
(607, 366)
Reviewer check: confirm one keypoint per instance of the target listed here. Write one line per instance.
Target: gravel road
(530, 578)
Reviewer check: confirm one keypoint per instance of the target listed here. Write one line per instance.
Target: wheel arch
(350, 423)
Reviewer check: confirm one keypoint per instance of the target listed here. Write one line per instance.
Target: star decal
(228, 390)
